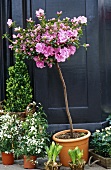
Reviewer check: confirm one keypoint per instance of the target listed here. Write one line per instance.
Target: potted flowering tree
(49, 43)
(9, 130)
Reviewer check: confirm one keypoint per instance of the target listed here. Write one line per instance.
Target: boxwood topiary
(18, 87)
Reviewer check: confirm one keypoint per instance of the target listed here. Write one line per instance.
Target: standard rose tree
(49, 43)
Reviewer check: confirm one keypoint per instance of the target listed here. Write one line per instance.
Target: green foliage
(101, 142)
(76, 156)
(18, 88)
(52, 152)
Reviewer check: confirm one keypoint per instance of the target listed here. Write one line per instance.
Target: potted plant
(49, 43)
(77, 162)
(9, 130)
(18, 88)
(52, 153)
(101, 147)
(33, 137)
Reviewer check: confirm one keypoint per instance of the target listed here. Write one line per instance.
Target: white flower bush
(33, 137)
(101, 142)
(9, 131)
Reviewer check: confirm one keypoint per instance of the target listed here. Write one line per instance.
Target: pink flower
(82, 19)
(87, 45)
(48, 51)
(29, 53)
(58, 56)
(49, 65)
(11, 47)
(59, 13)
(18, 35)
(16, 50)
(72, 50)
(63, 37)
(15, 42)
(39, 64)
(40, 13)
(40, 47)
(31, 34)
(23, 47)
(31, 49)
(29, 20)
(17, 29)
(71, 33)
(14, 36)
(9, 22)
(65, 52)
(74, 19)
(75, 33)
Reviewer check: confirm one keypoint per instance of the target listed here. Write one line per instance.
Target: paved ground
(19, 165)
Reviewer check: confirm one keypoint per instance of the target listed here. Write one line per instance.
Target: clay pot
(82, 143)
(29, 162)
(7, 158)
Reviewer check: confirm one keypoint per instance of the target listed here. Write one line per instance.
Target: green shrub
(101, 142)
(18, 88)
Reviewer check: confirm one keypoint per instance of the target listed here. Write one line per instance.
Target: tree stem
(66, 99)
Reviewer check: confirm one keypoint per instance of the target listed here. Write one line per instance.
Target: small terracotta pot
(82, 143)
(7, 158)
(29, 162)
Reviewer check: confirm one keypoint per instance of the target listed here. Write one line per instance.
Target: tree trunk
(66, 99)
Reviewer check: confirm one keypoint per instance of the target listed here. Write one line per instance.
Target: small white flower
(97, 130)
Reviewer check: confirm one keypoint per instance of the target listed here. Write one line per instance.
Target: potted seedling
(77, 162)
(52, 153)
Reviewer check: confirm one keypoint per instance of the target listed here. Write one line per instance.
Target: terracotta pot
(29, 162)
(82, 143)
(7, 159)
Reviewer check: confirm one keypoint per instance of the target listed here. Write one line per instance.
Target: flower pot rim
(72, 140)
(4, 152)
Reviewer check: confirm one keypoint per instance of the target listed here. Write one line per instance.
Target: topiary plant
(18, 88)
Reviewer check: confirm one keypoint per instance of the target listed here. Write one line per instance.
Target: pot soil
(81, 141)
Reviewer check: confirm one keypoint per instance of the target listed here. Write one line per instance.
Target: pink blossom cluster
(51, 41)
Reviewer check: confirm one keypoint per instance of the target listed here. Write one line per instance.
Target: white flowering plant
(101, 142)
(9, 131)
(33, 137)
